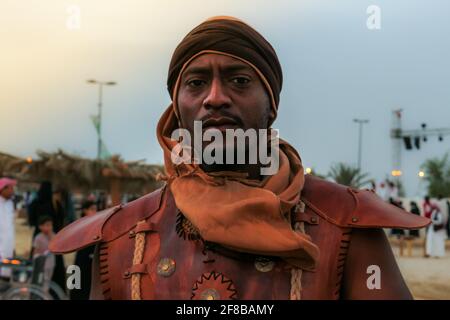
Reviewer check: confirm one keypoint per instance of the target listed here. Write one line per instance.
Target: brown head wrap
(235, 38)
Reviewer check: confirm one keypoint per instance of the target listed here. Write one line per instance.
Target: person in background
(373, 186)
(428, 209)
(59, 214)
(437, 233)
(41, 205)
(83, 259)
(40, 248)
(442, 204)
(408, 239)
(414, 209)
(397, 232)
(59, 222)
(391, 191)
(448, 220)
(49, 203)
(7, 229)
(68, 206)
(102, 201)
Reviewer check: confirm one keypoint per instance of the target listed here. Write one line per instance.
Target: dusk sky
(335, 69)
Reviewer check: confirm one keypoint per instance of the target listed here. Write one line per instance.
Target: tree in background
(348, 175)
(437, 174)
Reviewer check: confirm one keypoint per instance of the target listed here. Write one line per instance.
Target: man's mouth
(220, 123)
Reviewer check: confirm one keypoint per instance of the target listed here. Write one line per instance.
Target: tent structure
(84, 175)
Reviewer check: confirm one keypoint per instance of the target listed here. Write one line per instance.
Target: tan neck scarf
(243, 215)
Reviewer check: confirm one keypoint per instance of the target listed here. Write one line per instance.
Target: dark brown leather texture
(174, 267)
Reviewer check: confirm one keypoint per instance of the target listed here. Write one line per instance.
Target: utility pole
(98, 122)
(361, 122)
(396, 134)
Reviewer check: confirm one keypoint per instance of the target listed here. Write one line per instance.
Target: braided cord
(296, 274)
(139, 246)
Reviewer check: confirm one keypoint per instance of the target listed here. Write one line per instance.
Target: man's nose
(217, 96)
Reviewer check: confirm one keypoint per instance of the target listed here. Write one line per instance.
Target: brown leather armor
(177, 264)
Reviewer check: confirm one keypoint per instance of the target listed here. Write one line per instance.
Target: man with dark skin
(225, 231)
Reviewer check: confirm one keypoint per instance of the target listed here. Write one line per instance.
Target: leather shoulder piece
(133, 212)
(90, 230)
(347, 207)
(81, 233)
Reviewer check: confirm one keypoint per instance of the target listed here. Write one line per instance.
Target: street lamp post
(99, 116)
(361, 122)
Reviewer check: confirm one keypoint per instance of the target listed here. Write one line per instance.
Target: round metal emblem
(166, 267)
(210, 294)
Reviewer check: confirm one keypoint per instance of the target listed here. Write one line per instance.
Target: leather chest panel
(192, 261)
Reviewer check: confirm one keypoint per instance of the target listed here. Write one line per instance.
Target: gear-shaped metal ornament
(213, 286)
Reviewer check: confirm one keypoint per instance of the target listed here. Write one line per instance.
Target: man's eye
(240, 80)
(195, 83)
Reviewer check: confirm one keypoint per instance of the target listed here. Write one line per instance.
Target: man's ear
(272, 114)
(271, 117)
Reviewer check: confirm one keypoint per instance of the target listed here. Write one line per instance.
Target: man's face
(223, 93)
(7, 192)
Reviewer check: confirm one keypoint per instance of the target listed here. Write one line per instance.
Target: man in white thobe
(437, 233)
(7, 230)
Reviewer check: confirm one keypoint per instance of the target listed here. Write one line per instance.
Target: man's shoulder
(105, 225)
(348, 207)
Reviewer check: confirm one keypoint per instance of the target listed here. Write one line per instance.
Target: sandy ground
(426, 278)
